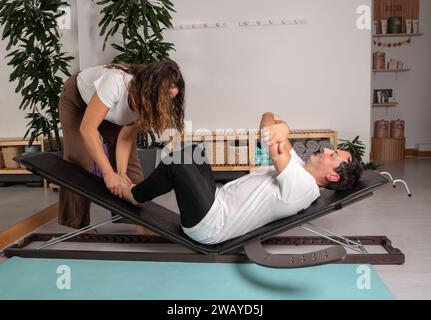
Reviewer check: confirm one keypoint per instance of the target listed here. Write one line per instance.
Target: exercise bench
(166, 223)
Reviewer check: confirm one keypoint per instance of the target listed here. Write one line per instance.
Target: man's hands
(276, 134)
(276, 137)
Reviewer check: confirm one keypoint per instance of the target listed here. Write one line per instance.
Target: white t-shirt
(255, 200)
(111, 86)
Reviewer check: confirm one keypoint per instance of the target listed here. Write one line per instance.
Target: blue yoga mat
(94, 279)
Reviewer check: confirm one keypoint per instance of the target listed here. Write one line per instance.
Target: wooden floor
(406, 221)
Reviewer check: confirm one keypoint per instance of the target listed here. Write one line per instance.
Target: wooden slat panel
(12, 143)
(14, 171)
(230, 168)
(388, 149)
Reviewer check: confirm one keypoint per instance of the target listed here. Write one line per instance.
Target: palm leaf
(141, 24)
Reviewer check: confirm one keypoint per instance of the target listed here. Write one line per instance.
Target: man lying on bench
(213, 215)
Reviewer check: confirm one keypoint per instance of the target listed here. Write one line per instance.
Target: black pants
(190, 177)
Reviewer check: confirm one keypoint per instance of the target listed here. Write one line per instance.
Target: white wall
(315, 75)
(411, 89)
(90, 42)
(12, 122)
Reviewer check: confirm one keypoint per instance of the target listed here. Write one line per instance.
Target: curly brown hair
(149, 95)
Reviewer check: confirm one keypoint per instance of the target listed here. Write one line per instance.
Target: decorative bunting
(393, 44)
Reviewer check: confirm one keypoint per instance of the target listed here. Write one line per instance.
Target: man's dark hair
(349, 173)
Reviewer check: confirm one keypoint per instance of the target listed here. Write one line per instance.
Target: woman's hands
(125, 177)
(121, 186)
(115, 182)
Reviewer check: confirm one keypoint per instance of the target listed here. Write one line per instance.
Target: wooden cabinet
(387, 149)
(218, 147)
(11, 175)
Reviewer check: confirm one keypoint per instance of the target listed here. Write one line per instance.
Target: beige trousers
(74, 210)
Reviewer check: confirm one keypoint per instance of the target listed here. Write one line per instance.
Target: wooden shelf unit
(14, 171)
(12, 142)
(389, 104)
(252, 137)
(390, 149)
(391, 70)
(222, 168)
(398, 35)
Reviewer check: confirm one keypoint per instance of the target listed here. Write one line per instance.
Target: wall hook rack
(271, 22)
(195, 26)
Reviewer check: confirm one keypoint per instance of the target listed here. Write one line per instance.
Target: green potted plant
(141, 25)
(357, 149)
(37, 61)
